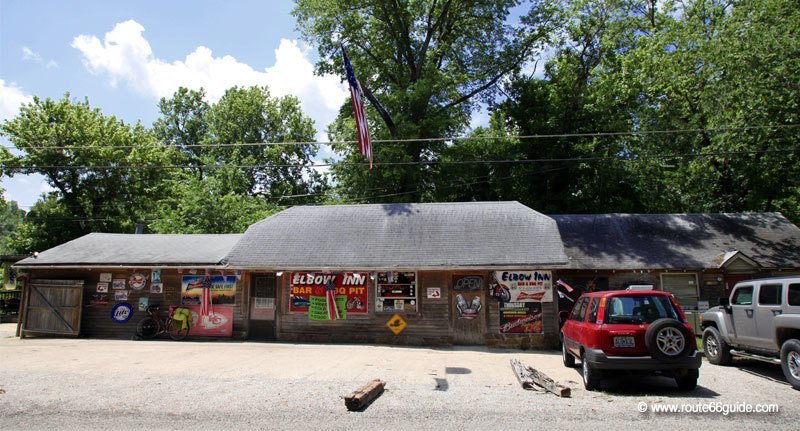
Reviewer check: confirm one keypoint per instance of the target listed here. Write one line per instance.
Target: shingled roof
(114, 249)
(408, 236)
(690, 241)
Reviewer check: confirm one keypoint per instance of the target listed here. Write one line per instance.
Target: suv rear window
(639, 309)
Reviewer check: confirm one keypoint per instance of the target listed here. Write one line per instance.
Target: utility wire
(412, 140)
(424, 162)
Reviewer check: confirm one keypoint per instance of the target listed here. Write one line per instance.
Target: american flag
(364, 144)
(206, 307)
(330, 299)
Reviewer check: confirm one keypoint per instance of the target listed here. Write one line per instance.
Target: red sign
(304, 285)
(219, 323)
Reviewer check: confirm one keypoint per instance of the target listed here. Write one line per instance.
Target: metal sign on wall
(524, 286)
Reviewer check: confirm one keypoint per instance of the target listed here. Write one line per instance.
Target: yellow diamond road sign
(396, 324)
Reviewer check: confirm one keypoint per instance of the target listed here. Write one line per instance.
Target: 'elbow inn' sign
(523, 286)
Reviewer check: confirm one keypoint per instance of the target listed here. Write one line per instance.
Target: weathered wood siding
(96, 319)
(432, 324)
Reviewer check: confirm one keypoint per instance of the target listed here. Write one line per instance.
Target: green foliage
(78, 150)
(205, 205)
(11, 217)
(427, 63)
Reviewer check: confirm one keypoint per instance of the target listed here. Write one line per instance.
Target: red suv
(634, 331)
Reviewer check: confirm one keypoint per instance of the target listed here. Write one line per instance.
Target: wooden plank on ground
(523, 374)
(364, 395)
(549, 384)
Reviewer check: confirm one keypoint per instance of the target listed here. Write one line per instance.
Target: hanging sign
(347, 291)
(122, 312)
(522, 286)
(434, 293)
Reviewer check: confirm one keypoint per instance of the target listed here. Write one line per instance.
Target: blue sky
(124, 55)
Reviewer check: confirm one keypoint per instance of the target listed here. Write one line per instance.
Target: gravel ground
(105, 384)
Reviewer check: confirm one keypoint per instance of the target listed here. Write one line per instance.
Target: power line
(412, 140)
(410, 163)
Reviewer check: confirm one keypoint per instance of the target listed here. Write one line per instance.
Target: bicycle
(177, 326)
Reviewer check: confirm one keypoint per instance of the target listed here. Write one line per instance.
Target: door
(262, 307)
(685, 289)
(573, 330)
(769, 306)
(742, 317)
(53, 307)
(468, 299)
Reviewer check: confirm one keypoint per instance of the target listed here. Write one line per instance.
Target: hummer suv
(760, 320)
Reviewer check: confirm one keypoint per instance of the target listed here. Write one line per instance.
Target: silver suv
(760, 320)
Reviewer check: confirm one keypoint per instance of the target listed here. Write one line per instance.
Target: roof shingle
(452, 235)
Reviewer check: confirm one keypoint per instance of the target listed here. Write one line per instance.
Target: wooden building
(697, 257)
(404, 273)
(483, 273)
(100, 284)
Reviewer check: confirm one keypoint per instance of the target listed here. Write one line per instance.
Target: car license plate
(624, 342)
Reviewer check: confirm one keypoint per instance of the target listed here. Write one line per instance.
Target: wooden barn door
(53, 307)
(468, 299)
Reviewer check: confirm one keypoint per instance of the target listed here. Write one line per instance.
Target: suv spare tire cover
(671, 328)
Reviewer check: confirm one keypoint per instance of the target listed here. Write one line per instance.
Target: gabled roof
(690, 241)
(114, 249)
(409, 236)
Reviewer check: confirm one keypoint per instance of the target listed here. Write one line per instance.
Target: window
(743, 296)
(794, 294)
(582, 311)
(396, 292)
(579, 310)
(593, 310)
(770, 294)
(639, 309)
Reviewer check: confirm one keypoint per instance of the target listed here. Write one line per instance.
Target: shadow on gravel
(764, 370)
(637, 386)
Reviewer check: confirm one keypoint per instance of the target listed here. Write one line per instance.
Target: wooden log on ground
(523, 374)
(549, 384)
(364, 395)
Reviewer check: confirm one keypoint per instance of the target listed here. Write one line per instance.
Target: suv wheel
(591, 375)
(688, 381)
(715, 348)
(566, 356)
(667, 339)
(790, 362)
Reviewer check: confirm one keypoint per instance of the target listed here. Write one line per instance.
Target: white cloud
(125, 56)
(11, 99)
(29, 54)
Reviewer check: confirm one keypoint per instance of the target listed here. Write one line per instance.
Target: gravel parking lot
(111, 384)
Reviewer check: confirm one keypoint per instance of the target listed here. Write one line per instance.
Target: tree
(11, 217)
(107, 175)
(429, 63)
(203, 205)
(238, 170)
(728, 67)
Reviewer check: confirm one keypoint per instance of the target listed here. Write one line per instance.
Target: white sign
(434, 292)
(702, 306)
(523, 286)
